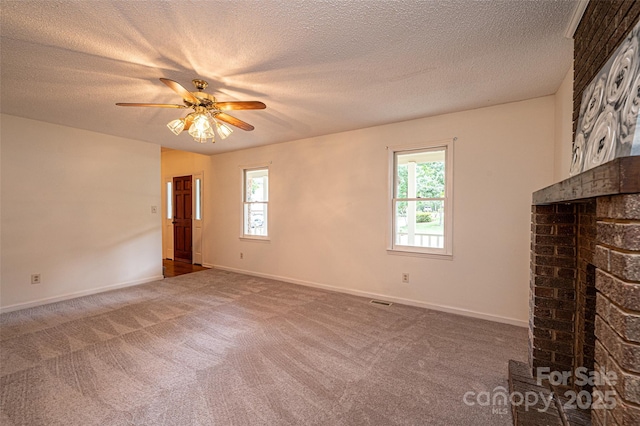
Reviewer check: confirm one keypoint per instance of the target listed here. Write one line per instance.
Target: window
(169, 200)
(421, 199)
(255, 203)
(198, 196)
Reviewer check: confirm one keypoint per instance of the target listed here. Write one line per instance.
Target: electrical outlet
(154, 209)
(35, 279)
(241, 255)
(405, 277)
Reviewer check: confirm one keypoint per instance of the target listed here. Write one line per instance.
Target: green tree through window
(429, 183)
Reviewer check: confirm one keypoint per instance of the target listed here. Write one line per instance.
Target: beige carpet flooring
(219, 348)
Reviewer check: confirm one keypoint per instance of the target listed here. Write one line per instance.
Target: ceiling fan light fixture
(176, 126)
(204, 134)
(223, 130)
(202, 139)
(207, 111)
(201, 127)
(200, 122)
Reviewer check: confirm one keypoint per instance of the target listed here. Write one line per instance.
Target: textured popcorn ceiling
(320, 66)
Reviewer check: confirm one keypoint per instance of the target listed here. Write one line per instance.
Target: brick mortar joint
(623, 280)
(619, 279)
(620, 308)
(611, 358)
(606, 219)
(616, 248)
(615, 332)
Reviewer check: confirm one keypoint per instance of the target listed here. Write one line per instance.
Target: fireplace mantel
(620, 176)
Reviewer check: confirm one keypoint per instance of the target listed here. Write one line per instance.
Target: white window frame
(392, 247)
(244, 170)
(198, 217)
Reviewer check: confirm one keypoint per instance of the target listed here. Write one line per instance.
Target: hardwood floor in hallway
(173, 268)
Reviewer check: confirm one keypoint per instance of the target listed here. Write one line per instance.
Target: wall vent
(381, 302)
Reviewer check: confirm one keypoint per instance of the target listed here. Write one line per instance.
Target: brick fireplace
(585, 283)
(585, 259)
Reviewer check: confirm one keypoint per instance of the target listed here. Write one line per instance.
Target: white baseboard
(410, 302)
(68, 296)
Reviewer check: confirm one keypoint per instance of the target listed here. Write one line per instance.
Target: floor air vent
(381, 302)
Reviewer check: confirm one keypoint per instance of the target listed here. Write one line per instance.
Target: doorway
(183, 223)
(182, 219)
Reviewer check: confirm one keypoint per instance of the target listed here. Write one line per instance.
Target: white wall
(76, 208)
(563, 128)
(328, 211)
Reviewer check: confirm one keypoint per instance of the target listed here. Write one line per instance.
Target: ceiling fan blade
(151, 105)
(227, 106)
(234, 121)
(177, 87)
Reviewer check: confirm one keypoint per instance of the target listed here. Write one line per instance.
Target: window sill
(256, 239)
(441, 256)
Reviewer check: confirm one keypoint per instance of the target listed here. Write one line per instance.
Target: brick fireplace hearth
(585, 283)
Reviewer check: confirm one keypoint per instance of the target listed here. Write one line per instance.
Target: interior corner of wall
(563, 128)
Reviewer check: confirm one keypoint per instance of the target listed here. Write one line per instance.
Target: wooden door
(182, 219)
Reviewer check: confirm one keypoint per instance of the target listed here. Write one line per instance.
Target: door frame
(197, 225)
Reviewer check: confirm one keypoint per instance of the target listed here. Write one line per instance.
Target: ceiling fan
(206, 112)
